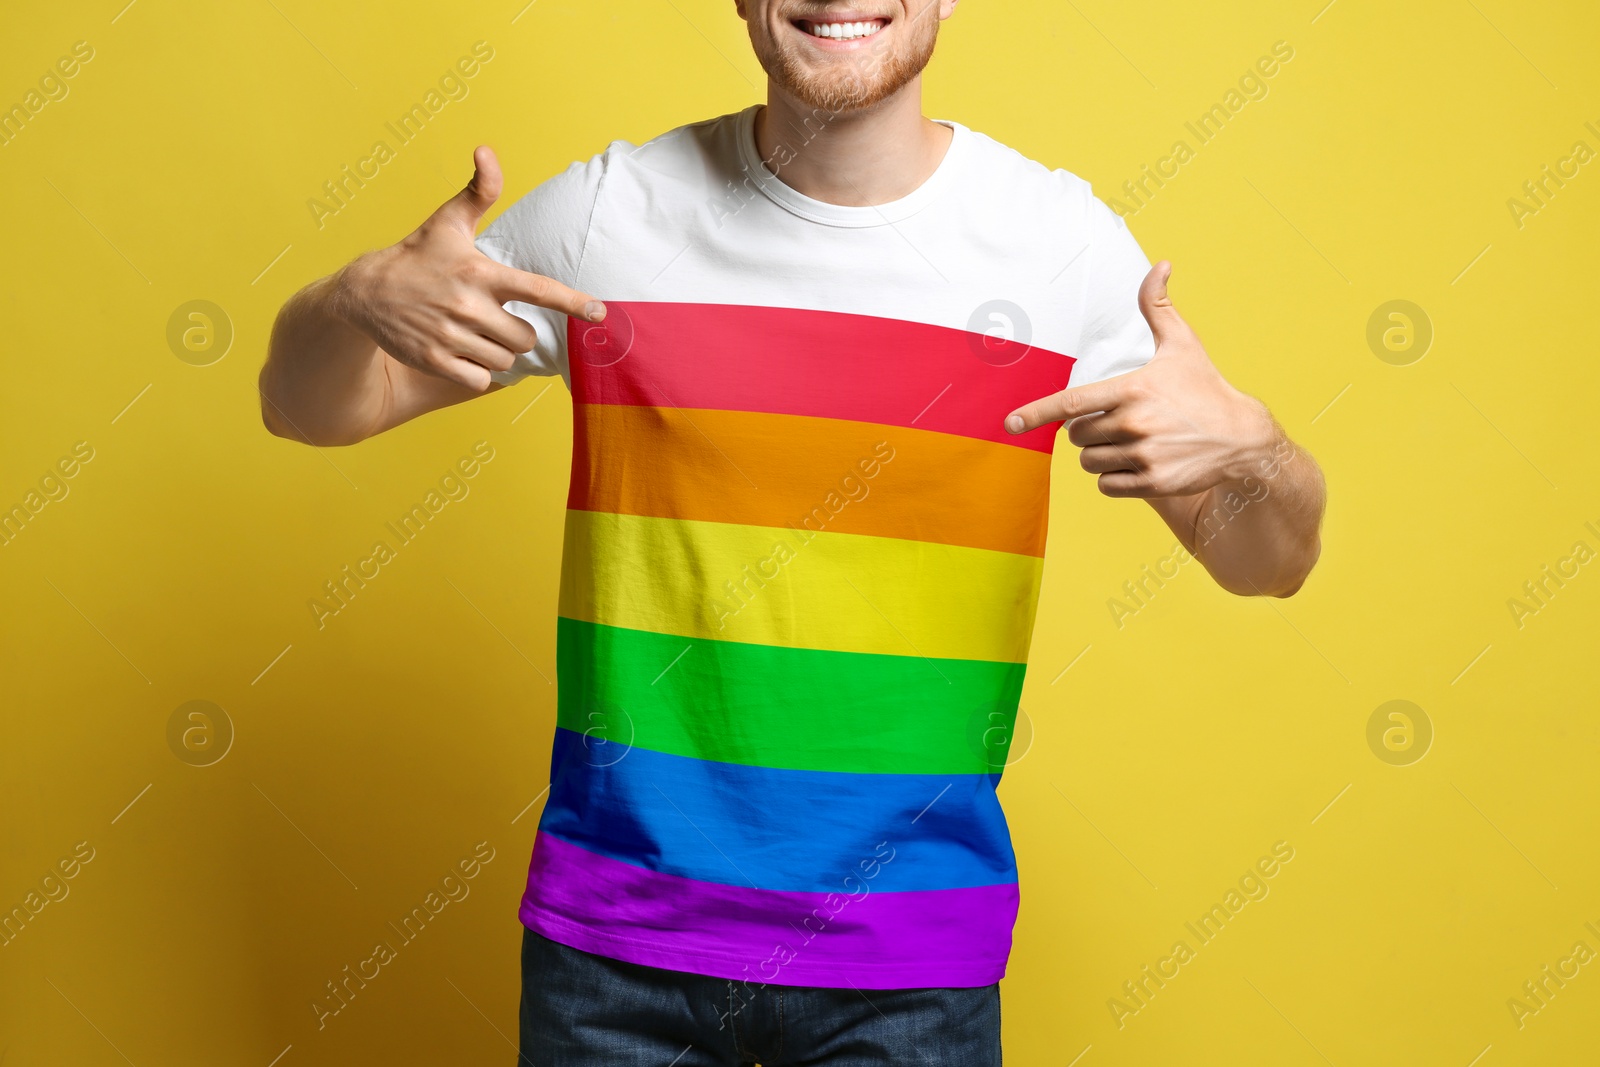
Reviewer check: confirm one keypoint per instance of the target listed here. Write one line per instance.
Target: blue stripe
(790, 830)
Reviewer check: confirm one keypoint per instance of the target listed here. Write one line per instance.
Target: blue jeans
(580, 1009)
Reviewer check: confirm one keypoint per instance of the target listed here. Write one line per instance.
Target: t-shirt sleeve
(1116, 338)
(544, 232)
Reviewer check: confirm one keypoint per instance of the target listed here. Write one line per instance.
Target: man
(813, 424)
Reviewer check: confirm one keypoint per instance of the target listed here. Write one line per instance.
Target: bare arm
(327, 383)
(1257, 534)
(404, 330)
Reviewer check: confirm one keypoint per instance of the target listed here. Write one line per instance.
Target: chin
(837, 94)
(845, 74)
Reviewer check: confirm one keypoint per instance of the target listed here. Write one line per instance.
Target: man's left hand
(1173, 427)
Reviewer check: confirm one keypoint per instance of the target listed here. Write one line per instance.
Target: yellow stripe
(774, 586)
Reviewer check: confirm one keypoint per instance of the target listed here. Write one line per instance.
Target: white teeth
(844, 31)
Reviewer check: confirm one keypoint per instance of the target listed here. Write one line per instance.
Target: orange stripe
(762, 469)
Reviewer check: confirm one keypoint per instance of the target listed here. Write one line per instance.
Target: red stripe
(737, 357)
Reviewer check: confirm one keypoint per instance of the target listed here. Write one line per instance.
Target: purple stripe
(873, 939)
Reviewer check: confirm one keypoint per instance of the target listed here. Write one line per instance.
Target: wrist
(1259, 439)
(344, 295)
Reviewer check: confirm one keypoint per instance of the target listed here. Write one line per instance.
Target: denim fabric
(580, 1009)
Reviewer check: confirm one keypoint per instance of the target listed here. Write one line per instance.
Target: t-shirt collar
(792, 200)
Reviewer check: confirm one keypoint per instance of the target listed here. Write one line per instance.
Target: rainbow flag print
(801, 563)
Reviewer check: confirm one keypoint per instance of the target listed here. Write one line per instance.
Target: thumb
(1156, 306)
(467, 207)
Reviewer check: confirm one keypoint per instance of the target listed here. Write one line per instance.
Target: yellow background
(372, 754)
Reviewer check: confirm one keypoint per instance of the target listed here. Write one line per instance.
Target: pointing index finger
(508, 283)
(1067, 404)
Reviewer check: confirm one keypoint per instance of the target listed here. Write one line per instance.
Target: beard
(850, 83)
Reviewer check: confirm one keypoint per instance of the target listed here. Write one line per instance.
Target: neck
(856, 158)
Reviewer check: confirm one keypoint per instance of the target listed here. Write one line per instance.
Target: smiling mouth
(840, 29)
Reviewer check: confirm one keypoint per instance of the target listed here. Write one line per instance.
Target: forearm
(1257, 534)
(324, 382)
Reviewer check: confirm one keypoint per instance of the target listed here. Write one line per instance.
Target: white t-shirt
(802, 557)
(694, 215)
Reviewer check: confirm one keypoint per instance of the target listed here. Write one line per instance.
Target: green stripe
(796, 708)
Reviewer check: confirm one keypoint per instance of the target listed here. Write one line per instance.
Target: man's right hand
(433, 301)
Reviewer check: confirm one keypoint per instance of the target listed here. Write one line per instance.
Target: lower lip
(832, 44)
